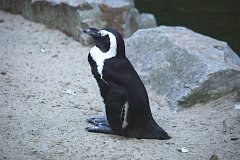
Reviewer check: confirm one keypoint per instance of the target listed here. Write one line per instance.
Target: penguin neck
(120, 52)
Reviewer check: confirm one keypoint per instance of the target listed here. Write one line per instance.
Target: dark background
(219, 19)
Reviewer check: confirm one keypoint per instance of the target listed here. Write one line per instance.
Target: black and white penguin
(126, 100)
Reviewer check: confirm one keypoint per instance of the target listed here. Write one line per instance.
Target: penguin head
(108, 41)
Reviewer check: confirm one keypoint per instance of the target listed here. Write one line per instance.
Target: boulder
(147, 20)
(71, 16)
(183, 66)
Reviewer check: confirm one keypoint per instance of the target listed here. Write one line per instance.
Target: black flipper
(116, 100)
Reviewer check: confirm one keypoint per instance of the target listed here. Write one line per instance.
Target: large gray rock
(71, 16)
(184, 67)
(147, 20)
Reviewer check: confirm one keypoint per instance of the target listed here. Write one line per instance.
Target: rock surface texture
(71, 16)
(183, 66)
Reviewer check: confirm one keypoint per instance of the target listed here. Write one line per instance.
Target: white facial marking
(124, 114)
(99, 57)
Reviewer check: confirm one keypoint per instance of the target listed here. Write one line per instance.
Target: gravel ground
(47, 93)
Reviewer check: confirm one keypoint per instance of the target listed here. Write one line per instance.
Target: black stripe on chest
(103, 85)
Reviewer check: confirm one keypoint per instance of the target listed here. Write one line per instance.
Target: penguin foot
(99, 121)
(100, 129)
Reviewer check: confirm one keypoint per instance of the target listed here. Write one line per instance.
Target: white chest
(99, 57)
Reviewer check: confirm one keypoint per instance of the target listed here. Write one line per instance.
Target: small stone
(3, 73)
(183, 150)
(218, 47)
(34, 152)
(214, 157)
(234, 138)
(70, 92)
(237, 106)
(224, 126)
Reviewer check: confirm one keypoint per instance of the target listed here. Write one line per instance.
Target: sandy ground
(39, 120)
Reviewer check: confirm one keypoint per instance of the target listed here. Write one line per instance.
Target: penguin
(126, 100)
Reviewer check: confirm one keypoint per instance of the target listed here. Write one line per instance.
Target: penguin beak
(92, 32)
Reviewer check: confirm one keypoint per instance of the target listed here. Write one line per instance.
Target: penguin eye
(105, 36)
(103, 43)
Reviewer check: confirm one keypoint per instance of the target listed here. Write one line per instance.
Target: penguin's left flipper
(98, 121)
(100, 129)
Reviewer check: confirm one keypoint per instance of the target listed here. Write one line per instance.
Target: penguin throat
(99, 57)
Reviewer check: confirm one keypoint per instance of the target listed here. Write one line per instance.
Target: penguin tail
(150, 131)
(156, 132)
(161, 134)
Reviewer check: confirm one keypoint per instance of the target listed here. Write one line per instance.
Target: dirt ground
(47, 93)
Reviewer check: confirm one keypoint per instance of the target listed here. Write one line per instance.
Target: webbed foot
(100, 129)
(99, 121)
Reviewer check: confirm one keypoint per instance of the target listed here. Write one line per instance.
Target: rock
(147, 20)
(71, 16)
(184, 67)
